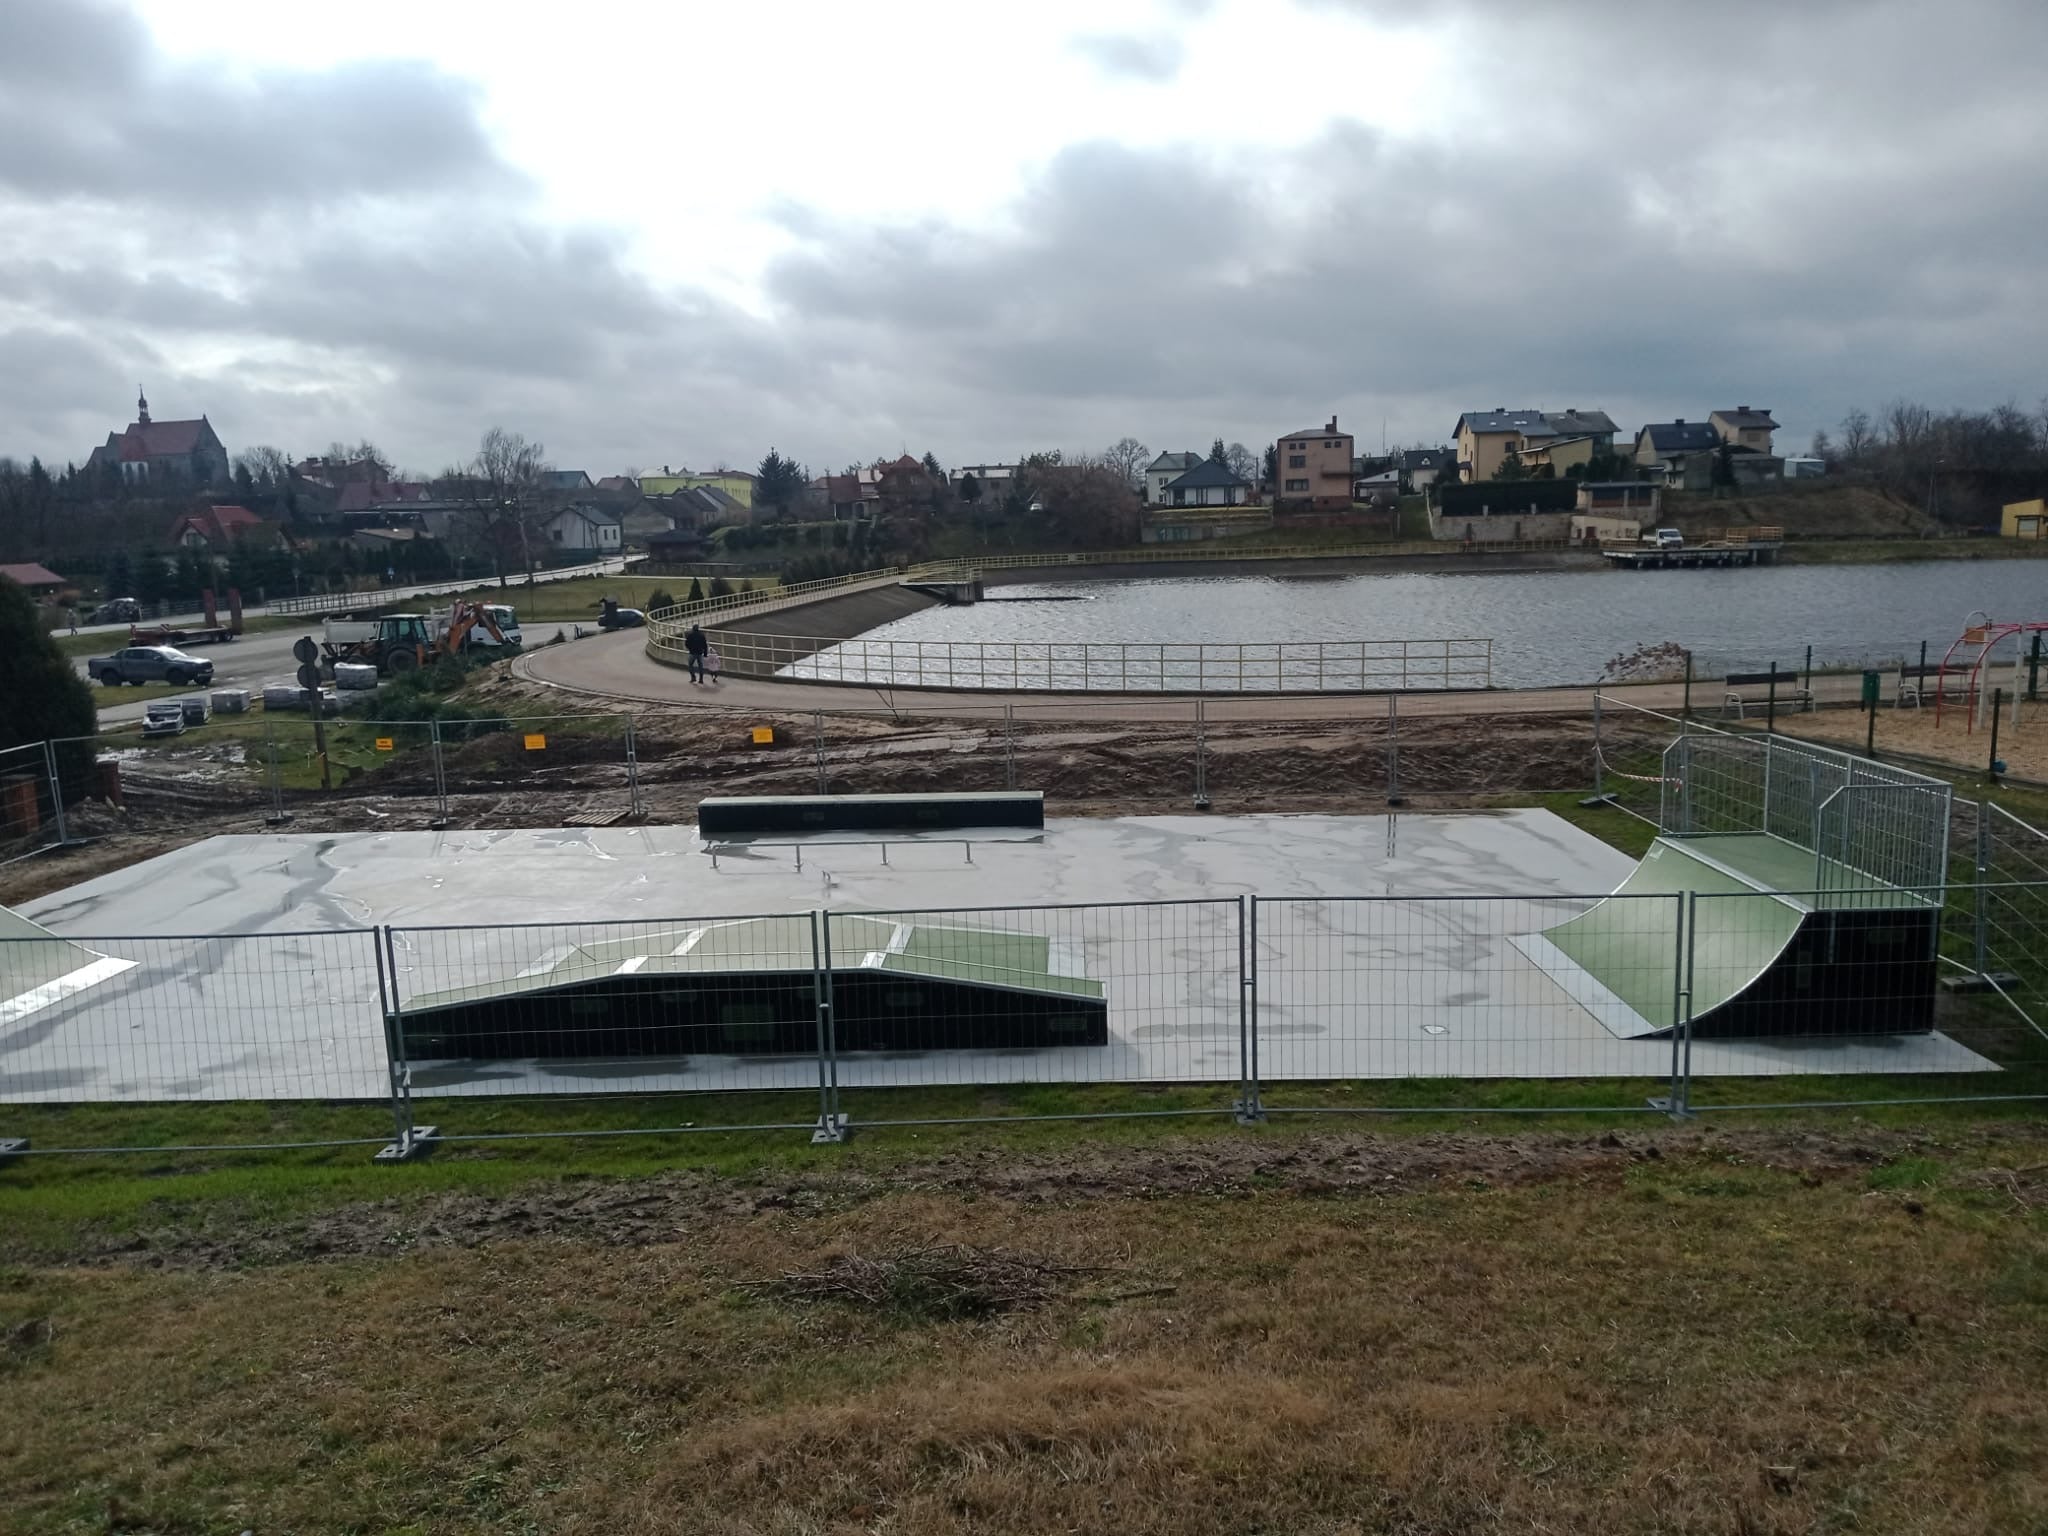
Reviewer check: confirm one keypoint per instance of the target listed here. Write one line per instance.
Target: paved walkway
(617, 667)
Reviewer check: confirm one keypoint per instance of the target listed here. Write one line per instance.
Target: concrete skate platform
(1385, 950)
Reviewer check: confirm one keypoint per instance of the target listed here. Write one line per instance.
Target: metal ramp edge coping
(1615, 1013)
(38, 969)
(890, 945)
(753, 815)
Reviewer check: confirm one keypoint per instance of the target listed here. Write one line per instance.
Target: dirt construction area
(188, 789)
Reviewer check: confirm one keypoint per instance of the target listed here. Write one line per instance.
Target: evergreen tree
(696, 591)
(119, 575)
(1273, 464)
(970, 490)
(931, 466)
(779, 482)
(46, 698)
(1219, 454)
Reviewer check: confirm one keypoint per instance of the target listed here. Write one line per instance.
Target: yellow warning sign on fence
(536, 743)
(384, 743)
(764, 735)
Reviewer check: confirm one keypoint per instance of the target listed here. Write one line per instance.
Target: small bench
(1914, 686)
(1777, 685)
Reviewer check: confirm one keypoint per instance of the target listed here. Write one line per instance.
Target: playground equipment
(1963, 675)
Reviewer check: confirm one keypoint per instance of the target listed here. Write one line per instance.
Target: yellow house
(2025, 519)
(736, 483)
(1563, 455)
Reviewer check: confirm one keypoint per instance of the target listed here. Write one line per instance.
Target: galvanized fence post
(56, 790)
(1673, 1102)
(831, 1126)
(440, 777)
(1248, 1108)
(1201, 755)
(1599, 751)
(634, 808)
(413, 1141)
(275, 773)
(1009, 746)
(1980, 918)
(818, 724)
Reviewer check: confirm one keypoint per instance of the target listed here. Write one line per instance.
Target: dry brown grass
(1685, 1344)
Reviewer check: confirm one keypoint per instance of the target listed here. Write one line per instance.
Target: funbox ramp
(747, 987)
(38, 969)
(1762, 963)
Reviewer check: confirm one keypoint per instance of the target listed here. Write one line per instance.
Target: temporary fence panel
(135, 1019)
(1871, 992)
(31, 804)
(1465, 987)
(1135, 992)
(659, 1006)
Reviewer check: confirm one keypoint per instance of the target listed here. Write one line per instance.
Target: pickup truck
(149, 664)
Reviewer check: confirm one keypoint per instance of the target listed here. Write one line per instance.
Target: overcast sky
(655, 234)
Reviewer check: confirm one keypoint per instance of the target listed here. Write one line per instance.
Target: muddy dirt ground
(668, 1207)
(1436, 762)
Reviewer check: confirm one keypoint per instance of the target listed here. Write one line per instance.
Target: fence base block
(1248, 1111)
(419, 1144)
(830, 1130)
(1675, 1108)
(1979, 981)
(11, 1148)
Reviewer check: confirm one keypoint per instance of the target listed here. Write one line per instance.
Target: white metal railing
(1276, 666)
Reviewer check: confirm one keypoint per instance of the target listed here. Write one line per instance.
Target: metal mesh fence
(1865, 823)
(269, 1016)
(659, 1006)
(1465, 987)
(31, 808)
(1147, 992)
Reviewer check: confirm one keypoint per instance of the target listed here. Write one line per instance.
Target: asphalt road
(248, 662)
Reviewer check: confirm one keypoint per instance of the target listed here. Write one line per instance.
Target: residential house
(162, 453)
(838, 497)
(40, 580)
(1315, 468)
(736, 484)
(618, 485)
(1208, 484)
(1560, 455)
(1662, 444)
(355, 496)
(1422, 467)
(584, 530)
(1486, 438)
(216, 528)
(566, 482)
(642, 521)
(1744, 428)
(1163, 471)
(683, 546)
(1373, 477)
(992, 481)
(2017, 520)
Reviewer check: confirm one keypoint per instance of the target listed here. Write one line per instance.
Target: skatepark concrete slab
(1387, 952)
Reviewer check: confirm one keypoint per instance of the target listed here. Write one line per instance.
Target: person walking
(695, 643)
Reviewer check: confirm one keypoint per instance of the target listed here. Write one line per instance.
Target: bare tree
(1823, 445)
(499, 504)
(1858, 436)
(364, 452)
(266, 465)
(1128, 457)
(1242, 462)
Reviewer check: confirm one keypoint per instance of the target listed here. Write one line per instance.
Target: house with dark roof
(1744, 428)
(1486, 438)
(216, 528)
(566, 482)
(1208, 484)
(584, 530)
(1315, 469)
(1661, 444)
(162, 453)
(1422, 467)
(1163, 471)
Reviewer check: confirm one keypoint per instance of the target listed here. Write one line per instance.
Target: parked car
(116, 610)
(163, 717)
(149, 664)
(621, 618)
(1664, 538)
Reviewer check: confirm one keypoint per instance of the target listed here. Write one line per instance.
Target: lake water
(1546, 626)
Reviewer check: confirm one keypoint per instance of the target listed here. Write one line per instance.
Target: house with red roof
(163, 452)
(216, 528)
